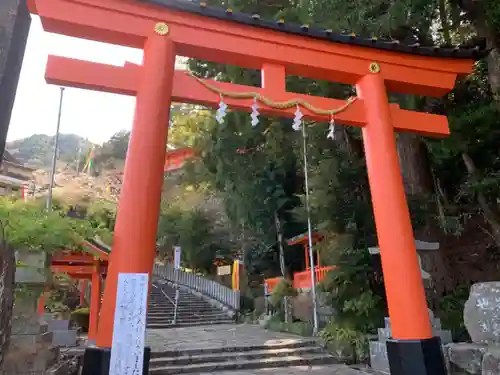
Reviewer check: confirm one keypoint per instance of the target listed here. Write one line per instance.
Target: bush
(81, 317)
(345, 343)
(283, 289)
(296, 328)
(350, 293)
(451, 310)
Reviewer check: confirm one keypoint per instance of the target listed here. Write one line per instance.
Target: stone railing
(206, 287)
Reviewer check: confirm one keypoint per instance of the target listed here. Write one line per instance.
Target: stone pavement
(236, 336)
(208, 337)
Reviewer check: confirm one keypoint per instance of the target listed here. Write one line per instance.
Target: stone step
(291, 360)
(191, 324)
(185, 298)
(187, 316)
(239, 348)
(234, 356)
(187, 321)
(182, 305)
(183, 308)
(184, 312)
(157, 312)
(181, 300)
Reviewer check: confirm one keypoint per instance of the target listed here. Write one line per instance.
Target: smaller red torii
(303, 239)
(91, 267)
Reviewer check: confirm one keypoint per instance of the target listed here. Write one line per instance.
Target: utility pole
(54, 159)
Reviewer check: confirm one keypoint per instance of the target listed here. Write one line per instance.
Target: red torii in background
(84, 267)
(169, 28)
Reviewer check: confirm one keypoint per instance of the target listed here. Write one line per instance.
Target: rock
(465, 358)
(64, 338)
(491, 362)
(482, 313)
(58, 325)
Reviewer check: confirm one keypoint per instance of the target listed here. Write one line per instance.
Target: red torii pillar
(138, 210)
(95, 300)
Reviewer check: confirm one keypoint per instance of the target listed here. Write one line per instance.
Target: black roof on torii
(201, 8)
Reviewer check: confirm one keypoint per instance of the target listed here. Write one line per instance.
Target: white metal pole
(54, 158)
(177, 263)
(309, 231)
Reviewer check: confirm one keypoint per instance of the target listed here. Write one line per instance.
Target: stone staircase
(191, 310)
(231, 358)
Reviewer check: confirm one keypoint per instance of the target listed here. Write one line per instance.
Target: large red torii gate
(169, 28)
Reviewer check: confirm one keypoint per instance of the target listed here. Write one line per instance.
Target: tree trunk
(7, 288)
(415, 167)
(280, 244)
(494, 72)
(443, 16)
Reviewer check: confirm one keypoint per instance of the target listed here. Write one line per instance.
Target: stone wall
(482, 319)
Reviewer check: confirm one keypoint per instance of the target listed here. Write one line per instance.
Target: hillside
(37, 150)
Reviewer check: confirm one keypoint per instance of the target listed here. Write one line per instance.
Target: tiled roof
(201, 8)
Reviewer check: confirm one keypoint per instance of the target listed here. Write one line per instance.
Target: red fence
(301, 280)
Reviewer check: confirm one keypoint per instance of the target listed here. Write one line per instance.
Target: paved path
(216, 336)
(231, 335)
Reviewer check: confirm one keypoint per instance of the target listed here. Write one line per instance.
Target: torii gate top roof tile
(201, 8)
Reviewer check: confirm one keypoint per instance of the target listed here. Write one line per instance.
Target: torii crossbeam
(169, 28)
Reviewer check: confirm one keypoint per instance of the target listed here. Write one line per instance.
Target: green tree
(194, 231)
(27, 226)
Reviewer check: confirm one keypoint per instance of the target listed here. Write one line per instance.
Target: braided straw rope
(271, 103)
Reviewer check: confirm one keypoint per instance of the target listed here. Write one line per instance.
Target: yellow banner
(236, 275)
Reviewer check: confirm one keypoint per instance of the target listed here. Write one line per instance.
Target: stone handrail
(206, 287)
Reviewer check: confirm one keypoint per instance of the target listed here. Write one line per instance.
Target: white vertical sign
(127, 349)
(177, 257)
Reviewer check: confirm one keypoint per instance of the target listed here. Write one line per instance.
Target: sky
(93, 115)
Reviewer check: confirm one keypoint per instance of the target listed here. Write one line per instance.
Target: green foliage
(350, 294)
(346, 344)
(112, 151)
(297, 328)
(102, 215)
(283, 289)
(194, 232)
(29, 226)
(451, 309)
(81, 317)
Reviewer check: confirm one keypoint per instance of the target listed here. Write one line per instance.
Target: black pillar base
(416, 357)
(96, 361)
